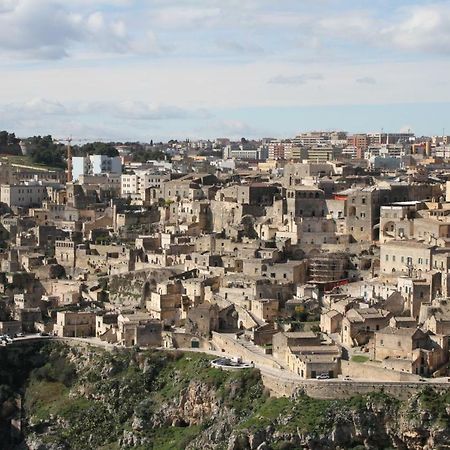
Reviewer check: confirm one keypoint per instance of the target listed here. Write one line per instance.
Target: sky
(135, 70)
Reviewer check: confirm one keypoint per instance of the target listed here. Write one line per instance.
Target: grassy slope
(24, 160)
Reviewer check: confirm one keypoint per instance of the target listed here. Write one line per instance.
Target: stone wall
(285, 385)
(371, 371)
(184, 341)
(230, 347)
(329, 390)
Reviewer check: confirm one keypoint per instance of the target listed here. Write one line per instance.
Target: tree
(140, 154)
(9, 144)
(44, 151)
(97, 148)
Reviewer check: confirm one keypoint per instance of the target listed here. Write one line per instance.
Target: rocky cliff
(78, 398)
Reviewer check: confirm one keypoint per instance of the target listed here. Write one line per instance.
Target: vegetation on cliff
(78, 398)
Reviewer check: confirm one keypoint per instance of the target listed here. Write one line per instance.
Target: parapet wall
(372, 372)
(330, 390)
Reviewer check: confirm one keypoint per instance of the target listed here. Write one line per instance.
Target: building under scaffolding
(328, 267)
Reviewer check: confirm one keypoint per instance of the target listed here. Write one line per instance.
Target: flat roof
(406, 243)
(300, 334)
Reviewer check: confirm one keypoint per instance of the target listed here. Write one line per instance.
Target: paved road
(281, 374)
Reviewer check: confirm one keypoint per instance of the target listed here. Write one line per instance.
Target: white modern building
(135, 183)
(95, 165)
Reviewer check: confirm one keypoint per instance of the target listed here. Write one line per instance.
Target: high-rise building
(95, 165)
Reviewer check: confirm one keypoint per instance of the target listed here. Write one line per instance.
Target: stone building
(410, 350)
(139, 329)
(166, 303)
(283, 340)
(74, 324)
(313, 361)
(406, 256)
(202, 320)
(359, 325)
(265, 309)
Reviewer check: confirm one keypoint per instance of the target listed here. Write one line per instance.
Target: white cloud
(412, 28)
(180, 16)
(423, 28)
(51, 29)
(296, 79)
(95, 22)
(7, 5)
(138, 110)
(366, 80)
(240, 47)
(33, 108)
(131, 110)
(196, 85)
(234, 129)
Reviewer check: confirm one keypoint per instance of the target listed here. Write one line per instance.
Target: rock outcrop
(77, 398)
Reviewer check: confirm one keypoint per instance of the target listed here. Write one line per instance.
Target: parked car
(323, 376)
(17, 335)
(43, 333)
(347, 378)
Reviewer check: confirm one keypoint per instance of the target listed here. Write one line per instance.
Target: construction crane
(68, 143)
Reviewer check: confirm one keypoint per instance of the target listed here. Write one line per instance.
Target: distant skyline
(161, 69)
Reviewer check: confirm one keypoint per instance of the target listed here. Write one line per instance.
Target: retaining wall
(229, 346)
(325, 389)
(371, 371)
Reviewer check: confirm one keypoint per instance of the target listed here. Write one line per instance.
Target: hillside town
(326, 255)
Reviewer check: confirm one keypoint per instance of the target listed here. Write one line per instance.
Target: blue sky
(158, 69)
